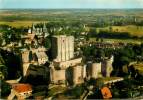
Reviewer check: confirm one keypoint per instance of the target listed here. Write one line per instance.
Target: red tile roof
(22, 87)
(106, 93)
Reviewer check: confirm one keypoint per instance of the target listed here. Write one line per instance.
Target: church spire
(33, 28)
(44, 28)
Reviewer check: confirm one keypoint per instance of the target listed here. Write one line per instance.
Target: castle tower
(25, 56)
(62, 48)
(79, 73)
(107, 67)
(96, 70)
(25, 61)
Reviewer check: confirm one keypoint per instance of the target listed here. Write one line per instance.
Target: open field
(120, 40)
(132, 29)
(20, 23)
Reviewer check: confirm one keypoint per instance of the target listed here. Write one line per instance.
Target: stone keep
(62, 48)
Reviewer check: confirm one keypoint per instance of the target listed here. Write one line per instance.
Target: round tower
(25, 56)
(96, 70)
(77, 74)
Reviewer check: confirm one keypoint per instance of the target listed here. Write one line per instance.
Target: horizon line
(65, 8)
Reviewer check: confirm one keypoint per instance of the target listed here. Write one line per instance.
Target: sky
(55, 4)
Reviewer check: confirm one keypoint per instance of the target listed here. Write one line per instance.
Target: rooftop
(22, 87)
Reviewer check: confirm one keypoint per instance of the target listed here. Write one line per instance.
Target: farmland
(120, 40)
(132, 29)
(19, 23)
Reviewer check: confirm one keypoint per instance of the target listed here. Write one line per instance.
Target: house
(21, 91)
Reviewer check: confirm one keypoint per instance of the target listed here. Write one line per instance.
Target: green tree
(3, 72)
(1, 40)
(97, 39)
(47, 43)
(124, 60)
(3, 69)
(92, 32)
(5, 88)
(100, 53)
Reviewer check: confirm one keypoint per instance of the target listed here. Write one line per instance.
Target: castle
(65, 68)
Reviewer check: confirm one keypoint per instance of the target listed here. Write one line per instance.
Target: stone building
(63, 52)
(107, 67)
(93, 70)
(29, 38)
(39, 31)
(72, 75)
(63, 59)
(68, 63)
(96, 70)
(62, 48)
(25, 55)
(57, 76)
(33, 56)
(101, 69)
(42, 58)
(79, 73)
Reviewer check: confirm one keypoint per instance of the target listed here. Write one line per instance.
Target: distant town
(76, 58)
